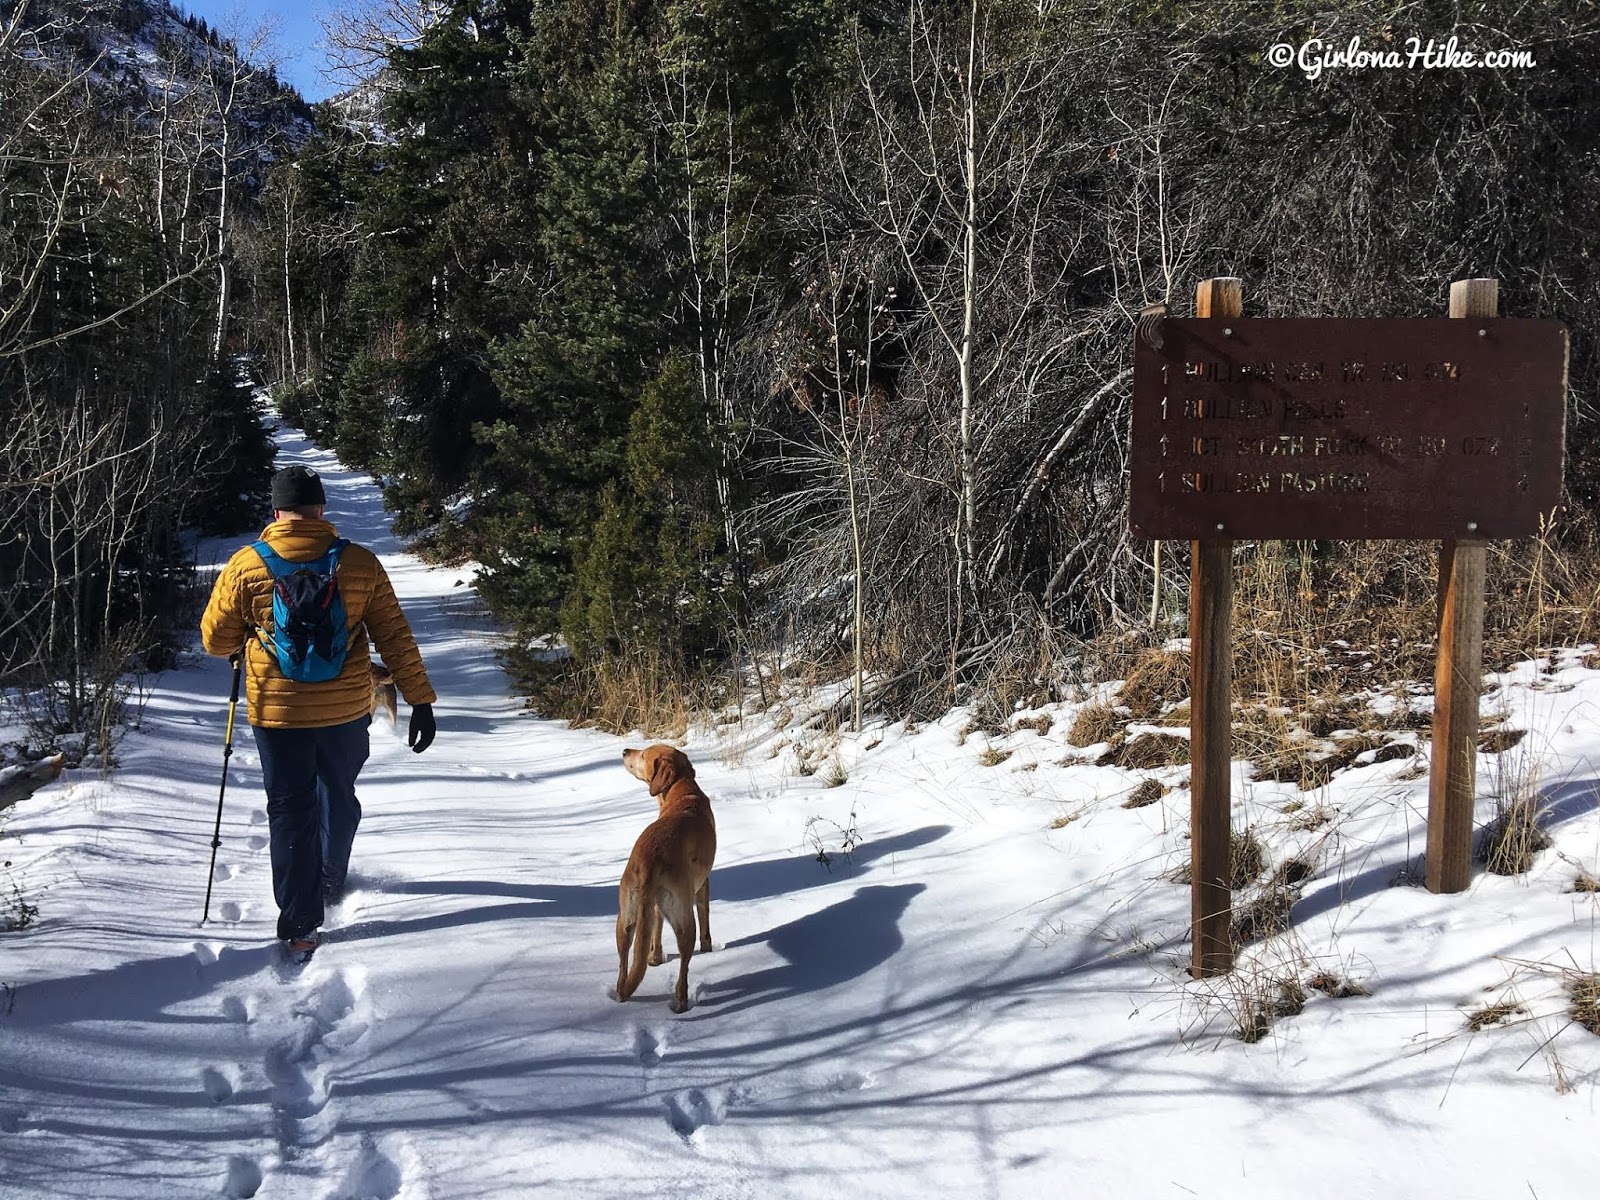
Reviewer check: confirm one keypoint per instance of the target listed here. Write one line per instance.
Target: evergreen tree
(570, 376)
(652, 577)
(442, 279)
(234, 455)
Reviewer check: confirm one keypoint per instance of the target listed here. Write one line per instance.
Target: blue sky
(296, 43)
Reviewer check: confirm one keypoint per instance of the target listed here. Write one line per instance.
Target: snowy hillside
(142, 55)
(980, 993)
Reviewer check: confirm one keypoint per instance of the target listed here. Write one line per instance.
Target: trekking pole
(227, 753)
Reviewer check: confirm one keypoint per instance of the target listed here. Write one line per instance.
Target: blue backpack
(309, 634)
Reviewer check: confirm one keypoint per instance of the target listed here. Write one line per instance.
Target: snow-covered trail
(971, 1004)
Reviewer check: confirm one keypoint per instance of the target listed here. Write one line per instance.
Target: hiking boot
(300, 949)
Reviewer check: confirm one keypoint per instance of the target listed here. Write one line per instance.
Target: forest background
(746, 345)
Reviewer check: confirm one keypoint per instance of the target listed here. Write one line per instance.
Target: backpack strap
(269, 556)
(273, 562)
(279, 565)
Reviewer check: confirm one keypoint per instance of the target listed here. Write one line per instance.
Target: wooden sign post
(1458, 670)
(1345, 429)
(1211, 712)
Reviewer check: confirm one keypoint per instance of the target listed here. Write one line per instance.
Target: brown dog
(383, 693)
(668, 874)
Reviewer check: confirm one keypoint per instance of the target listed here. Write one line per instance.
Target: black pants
(312, 813)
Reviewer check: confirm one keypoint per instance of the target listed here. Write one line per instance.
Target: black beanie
(297, 487)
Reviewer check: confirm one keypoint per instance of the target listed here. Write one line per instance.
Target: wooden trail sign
(1290, 428)
(1295, 428)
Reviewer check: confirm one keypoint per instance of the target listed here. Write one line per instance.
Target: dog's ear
(661, 773)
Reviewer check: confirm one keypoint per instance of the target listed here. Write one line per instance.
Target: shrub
(1584, 992)
(1148, 751)
(1095, 723)
(1246, 859)
(1158, 678)
(1510, 843)
(1146, 793)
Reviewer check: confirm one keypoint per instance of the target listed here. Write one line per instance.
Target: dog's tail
(643, 903)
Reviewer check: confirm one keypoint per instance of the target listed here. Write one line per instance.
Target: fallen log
(20, 782)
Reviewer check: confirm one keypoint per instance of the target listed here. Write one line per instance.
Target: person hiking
(300, 604)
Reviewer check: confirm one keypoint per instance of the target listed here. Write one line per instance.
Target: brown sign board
(1331, 428)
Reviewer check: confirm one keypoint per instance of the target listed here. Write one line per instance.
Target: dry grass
(1260, 730)
(1256, 1013)
(1291, 998)
(1148, 752)
(1585, 882)
(1340, 987)
(833, 774)
(1066, 819)
(1274, 746)
(1511, 842)
(1246, 859)
(1327, 716)
(1293, 757)
(1498, 741)
(1176, 717)
(1095, 723)
(1304, 771)
(1295, 603)
(647, 693)
(1040, 724)
(1347, 750)
(1158, 678)
(1292, 872)
(1494, 1014)
(1146, 793)
(993, 756)
(1271, 912)
(1583, 990)
(1268, 915)
(1305, 820)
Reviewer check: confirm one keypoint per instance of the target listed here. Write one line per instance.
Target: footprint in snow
(299, 1087)
(224, 871)
(335, 999)
(232, 912)
(217, 1084)
(259, 817)
(244, 1178)
(326, 1021)
(235, 1009)
(688, 1112)
(11, 1119)
(205, 953)
(850, 1081)
(380, 1171)
(258, 842)
(649, 1047)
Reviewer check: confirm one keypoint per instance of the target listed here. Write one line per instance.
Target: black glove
(420, 734)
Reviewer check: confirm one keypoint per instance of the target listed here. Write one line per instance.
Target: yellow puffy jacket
(242, 597)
